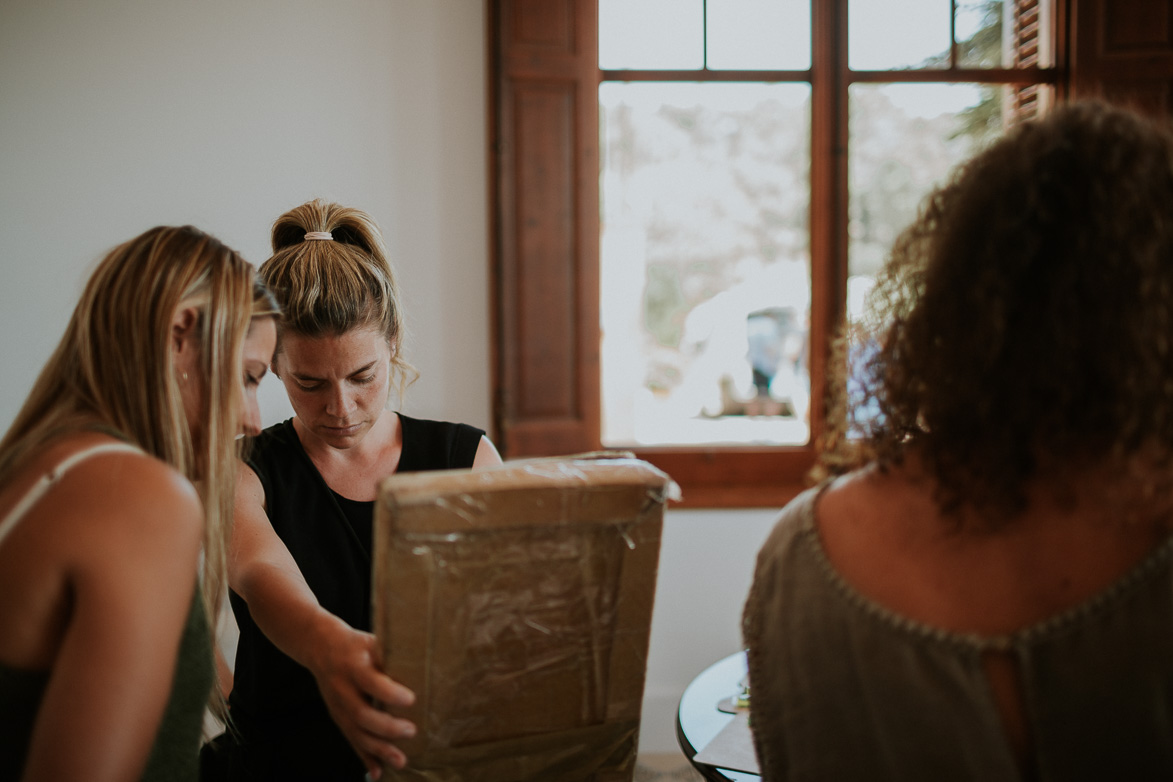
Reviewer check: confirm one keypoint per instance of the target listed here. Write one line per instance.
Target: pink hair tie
(324, 236)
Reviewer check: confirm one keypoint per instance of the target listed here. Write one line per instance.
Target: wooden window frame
(544, 228)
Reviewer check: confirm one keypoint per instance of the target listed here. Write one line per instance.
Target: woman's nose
(250, 419)
(339, 403)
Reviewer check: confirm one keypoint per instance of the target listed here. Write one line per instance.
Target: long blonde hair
(113, 372)
(328, 287)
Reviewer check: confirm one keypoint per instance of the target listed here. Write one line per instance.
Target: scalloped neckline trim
(1006, 642)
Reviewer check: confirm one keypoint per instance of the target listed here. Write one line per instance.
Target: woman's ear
(183, 324)
(185, 340)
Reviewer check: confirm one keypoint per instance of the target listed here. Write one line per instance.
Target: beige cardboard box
(516, 602)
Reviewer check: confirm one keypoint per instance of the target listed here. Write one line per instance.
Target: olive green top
(845, 689)
(175, 753)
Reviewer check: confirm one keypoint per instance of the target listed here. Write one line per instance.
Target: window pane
(705, 265)
(978, 30)
(759, 34)
(651, 34)
(904, 140)
(885, 34)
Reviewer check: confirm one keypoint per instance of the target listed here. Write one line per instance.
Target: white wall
(124, 114)
(706, 563)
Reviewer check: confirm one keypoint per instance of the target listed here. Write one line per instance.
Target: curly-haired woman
(984, 588)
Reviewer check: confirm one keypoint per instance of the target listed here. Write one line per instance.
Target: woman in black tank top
(306, 666)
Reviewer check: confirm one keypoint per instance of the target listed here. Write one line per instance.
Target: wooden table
(698, 720)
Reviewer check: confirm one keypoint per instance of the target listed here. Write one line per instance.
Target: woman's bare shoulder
(119, 530)
(870, 519)
(871, 499)
(129, 495)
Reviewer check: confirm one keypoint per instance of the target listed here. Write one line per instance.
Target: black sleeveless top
(283, 729)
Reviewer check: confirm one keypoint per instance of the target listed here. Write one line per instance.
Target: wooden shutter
(1123, 51)
(544, 145)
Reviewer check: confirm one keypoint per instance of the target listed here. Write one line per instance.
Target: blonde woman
(306, 672)
(115, 476)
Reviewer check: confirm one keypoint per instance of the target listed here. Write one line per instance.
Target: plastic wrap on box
(516, 602)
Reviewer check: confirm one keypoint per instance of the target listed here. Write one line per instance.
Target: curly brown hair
(1022, 327)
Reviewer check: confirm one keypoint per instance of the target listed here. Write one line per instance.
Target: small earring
(184, 376)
